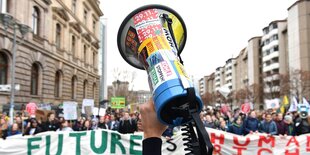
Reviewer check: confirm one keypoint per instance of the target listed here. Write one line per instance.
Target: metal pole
(13, 77)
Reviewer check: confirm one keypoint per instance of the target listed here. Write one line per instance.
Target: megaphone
(152, 38)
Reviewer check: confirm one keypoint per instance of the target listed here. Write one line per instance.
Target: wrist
(151, 134)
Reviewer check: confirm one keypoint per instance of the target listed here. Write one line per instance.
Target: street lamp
(7, 21)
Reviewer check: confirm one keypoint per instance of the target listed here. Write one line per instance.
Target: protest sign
(95, 111)
(117, 102)
(102, 112)
(70, 110)
(87, 106)
(272, 104)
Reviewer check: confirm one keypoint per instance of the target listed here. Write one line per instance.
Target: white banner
(111, 142)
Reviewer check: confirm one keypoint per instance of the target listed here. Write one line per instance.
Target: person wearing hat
(289, 126)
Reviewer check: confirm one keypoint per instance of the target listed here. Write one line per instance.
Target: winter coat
(289, 129)
(280, 127)
(251, 124)
(236, 129)
(269, 127)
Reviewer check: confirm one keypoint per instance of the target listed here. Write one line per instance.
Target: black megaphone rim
(146, 7)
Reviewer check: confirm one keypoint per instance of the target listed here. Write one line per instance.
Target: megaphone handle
(203, 136)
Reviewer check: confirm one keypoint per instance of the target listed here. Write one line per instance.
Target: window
(73, 45)
(3, 68)
(58, 35)
(85, 54)
(73, 87)
(34, 79)
(94, 91)
(35, 20)
(58, 81)
(85, 89)
(276, 48)
(94, 26)
(74, 6)
(85, 17)
(94, 60)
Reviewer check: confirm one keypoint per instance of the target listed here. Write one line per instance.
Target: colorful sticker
(148, 24)
(154, 44)
(132, 41)
(161, 73)
(183, 76)
(154, 59)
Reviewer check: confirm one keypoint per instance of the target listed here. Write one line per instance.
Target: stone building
(58, 61)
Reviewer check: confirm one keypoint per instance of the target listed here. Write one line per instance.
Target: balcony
(228, 71)
(271, 44)
(272, 77)
(271, 33)
(270, 56)
(217, 83)
(228, 78)
(272, 89)
(271, 67)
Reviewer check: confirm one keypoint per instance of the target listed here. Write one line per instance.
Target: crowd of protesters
(269, 122)
(123, 122)
(237, 122)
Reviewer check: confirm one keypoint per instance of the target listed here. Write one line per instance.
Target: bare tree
(300, 83)
(272, 85)
(285, 84)
(123, 84)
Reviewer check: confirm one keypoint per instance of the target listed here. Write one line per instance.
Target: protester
(86, 126)
(268, 125)
(14, 130)
(289, 127)
(236, 127)
(208, 122)
(223, 126)
(103, 122)
(280, 124)
(33, 128)
(302, 125)
(113, 123)
(251, 124)
(3, 127)
(51, 124)
(64, 126)
(127, 125)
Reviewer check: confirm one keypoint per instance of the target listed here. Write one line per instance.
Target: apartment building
(261, 67)
(58, 61)
(274, 57)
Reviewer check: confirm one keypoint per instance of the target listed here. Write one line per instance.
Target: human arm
(152, 129)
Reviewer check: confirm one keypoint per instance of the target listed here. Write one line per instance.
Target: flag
(304, 101)
(293, 106)
(284, 104)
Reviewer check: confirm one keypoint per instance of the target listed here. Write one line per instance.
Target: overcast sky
(216, 30)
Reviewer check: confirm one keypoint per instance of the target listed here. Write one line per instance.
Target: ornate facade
(58, 61)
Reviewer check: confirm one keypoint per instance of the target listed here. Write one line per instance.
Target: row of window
(35, 83)
(271, 50)
(270, 62)
(266, 30)
(272, 38)
(36, 22)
